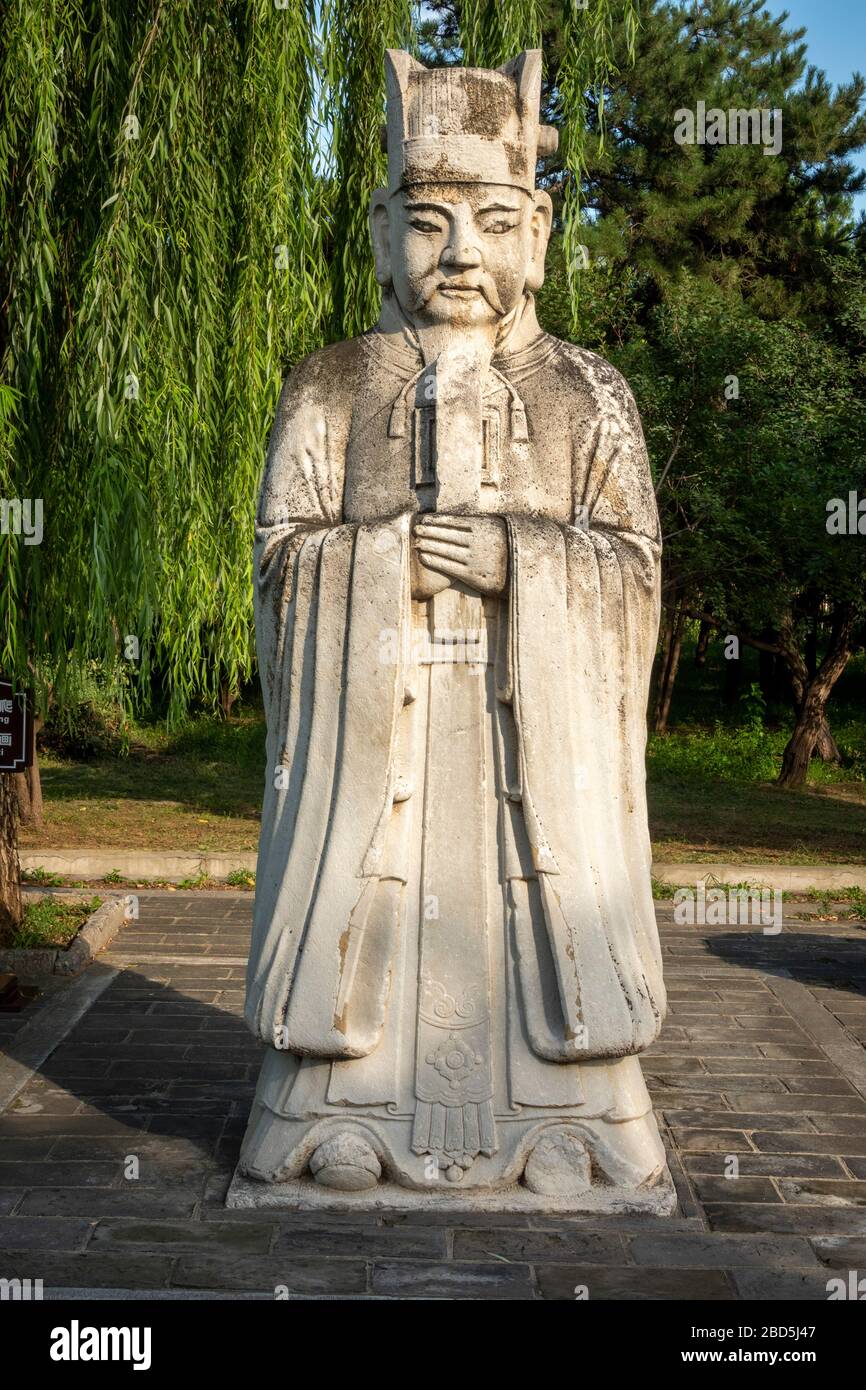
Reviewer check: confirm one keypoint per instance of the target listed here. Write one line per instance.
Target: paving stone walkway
(116, 1153)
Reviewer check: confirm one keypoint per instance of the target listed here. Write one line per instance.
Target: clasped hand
(471, 549)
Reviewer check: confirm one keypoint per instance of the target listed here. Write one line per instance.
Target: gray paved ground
(761, 1061)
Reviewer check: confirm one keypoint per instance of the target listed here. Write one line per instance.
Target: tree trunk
(28, 788)
(826, 746)
(669, 666)
(705, 635)
(733, 682)
(811, 649)
(774, 675)
(811, 725)
(22, 796)
(227, 698)
(10, 869)
(28, 785)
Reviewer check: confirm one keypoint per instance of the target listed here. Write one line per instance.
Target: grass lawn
(758, 822)
(51, 922)
(199, 791)
(711, 780)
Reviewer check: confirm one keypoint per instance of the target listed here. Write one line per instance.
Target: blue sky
(835, 39)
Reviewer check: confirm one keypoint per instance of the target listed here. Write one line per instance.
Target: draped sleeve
(584, 602)
(325, 592)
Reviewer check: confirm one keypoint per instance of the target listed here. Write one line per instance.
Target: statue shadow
(811, 958)
(147, 1072)
(153, 1073)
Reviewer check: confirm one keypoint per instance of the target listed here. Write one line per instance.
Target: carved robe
(454, 929)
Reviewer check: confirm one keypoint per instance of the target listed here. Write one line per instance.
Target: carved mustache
(483, 286)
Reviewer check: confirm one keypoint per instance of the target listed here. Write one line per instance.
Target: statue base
(604, 1156)
(353, 1164)
(304, 1194)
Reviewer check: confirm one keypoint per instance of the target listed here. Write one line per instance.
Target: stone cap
(464, 125)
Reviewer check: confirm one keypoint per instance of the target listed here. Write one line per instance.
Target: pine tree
(751, 221)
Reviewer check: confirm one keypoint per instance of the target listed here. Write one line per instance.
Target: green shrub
(92, 722)
(724, 755)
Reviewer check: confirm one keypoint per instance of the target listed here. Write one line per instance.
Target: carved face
(460, 253)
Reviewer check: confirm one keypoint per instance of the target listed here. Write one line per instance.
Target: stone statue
(455, 960)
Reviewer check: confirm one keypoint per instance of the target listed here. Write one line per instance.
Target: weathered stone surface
(539, 1247)
(769, 1165)
(818, 1192)
(805, 1220)
(99, 1270)
(455, 961)
(853, 1145)
(311, 1236)
(240, 1238)
(698, 1250)
(739, 1189)
(306, 1195)
(786, 1285)
(268, 1273)
(840, 1252)
(594, 1282)
(682, 1121)
(728, 1141)
(44, 1233)
(474, 1281)
(59, 1174)
(96, 1202)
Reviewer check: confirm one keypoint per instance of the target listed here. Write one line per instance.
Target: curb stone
(175, 868)
(100, 928)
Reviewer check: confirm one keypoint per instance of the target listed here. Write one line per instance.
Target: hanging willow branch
(147, 351)
(281, 294)
(184, 188)
(492, 31)
(356, 38)
(586, 68)
(40, 72)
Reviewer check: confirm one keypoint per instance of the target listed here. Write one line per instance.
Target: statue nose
(461, 252)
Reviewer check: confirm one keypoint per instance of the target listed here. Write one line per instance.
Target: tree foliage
(183, 214)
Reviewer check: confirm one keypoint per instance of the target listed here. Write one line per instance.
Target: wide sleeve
(325, 591)
(583, 623)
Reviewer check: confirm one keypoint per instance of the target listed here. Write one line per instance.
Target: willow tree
(183, 195)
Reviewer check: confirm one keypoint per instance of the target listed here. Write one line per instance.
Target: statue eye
(419, 225)
(499, 226)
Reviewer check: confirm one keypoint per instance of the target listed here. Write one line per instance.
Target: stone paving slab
(120, 1140)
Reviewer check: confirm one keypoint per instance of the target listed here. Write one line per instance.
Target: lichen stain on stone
(489, 104)
(343, 947)
(516, 156)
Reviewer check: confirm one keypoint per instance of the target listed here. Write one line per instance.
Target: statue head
(461, 231)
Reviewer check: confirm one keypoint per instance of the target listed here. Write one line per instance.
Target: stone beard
(455, 960)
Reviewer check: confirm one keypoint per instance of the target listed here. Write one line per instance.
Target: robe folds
(575, 635)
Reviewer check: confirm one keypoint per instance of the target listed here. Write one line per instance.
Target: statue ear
(380, 232)
(540, 224)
